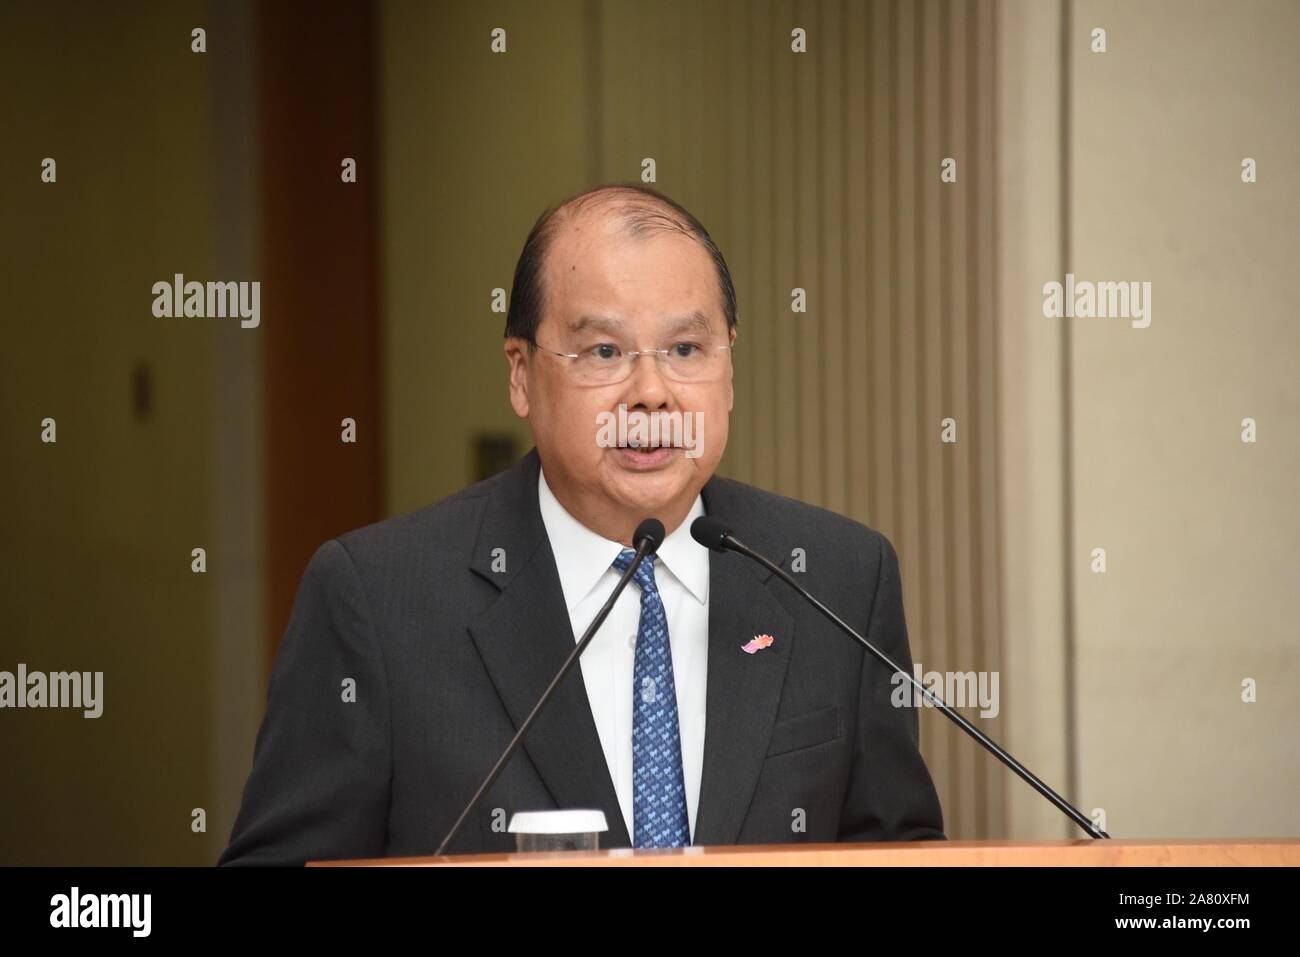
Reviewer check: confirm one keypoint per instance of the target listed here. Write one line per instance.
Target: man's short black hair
(640, 210)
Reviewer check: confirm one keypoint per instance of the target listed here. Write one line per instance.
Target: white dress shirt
(585, 562)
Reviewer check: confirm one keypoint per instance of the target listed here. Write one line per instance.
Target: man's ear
(517, 353)
(731, 376)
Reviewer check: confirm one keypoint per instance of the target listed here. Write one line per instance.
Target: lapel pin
(756, 644)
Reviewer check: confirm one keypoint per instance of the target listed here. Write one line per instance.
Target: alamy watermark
(75, 909)
(213, 300)
(1098, 300)
(642, 430)
(58, 689)
(956, 689)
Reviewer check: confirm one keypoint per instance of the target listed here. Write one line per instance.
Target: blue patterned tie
(658, 790)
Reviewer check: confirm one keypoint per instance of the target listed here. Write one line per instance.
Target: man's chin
(647, 485)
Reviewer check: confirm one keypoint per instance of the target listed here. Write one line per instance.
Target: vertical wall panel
(831, 269)
(982, 485)
(858, 435)
(321, 354)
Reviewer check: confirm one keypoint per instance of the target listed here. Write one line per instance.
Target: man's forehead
(694, 320)
(588, 292)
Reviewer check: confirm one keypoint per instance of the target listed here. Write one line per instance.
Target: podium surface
(1082, 852)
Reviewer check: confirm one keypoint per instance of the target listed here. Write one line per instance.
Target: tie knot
(645, 574)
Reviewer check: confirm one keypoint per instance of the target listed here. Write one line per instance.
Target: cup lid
(582, 821)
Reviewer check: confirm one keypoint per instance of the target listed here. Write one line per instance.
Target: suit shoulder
(449, 525)
(789, 517)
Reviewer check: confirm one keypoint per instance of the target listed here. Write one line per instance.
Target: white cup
(577, 830)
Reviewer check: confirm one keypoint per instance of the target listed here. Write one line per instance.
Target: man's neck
(617, 524)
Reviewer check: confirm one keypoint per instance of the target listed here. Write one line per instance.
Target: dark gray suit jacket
(447, 655)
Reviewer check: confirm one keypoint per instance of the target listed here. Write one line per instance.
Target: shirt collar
(582, 557)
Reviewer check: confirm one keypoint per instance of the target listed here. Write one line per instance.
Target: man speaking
(714, 706)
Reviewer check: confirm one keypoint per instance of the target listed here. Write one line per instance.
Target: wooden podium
(1073, 853)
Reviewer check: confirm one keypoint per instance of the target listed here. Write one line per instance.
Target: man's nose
(646, 385)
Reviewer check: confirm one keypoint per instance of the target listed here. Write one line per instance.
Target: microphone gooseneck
(715, 535)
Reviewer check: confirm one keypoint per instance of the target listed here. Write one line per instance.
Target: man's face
(605, 289)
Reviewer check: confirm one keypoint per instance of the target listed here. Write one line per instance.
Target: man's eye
(604, 352)
(685, 350)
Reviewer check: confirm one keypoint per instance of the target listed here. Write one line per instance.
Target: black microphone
(713, 534)
(647, 539)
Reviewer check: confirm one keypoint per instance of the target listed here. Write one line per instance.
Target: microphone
(714, 535)
(646, 540)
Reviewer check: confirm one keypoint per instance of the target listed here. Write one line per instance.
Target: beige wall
(1129, 439)
(473, 146)
(1031, 410)
(1202, 531)
(96, 531)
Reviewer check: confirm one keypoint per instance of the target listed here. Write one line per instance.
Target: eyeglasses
(607, 363)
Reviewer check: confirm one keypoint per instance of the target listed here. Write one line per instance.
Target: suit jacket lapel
(744, 690)
(523, 639)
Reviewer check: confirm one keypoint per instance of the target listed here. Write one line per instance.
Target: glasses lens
(602, 364)
(694, 361)
(681, 361)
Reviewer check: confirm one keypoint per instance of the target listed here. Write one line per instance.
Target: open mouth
(647, 449)
(649, 456)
